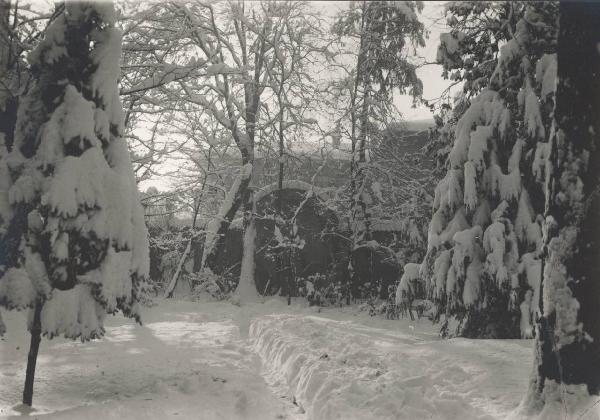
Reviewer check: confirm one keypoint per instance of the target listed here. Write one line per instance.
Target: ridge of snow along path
(340, 369)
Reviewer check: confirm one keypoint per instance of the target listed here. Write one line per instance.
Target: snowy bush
(319, 290)
(209, 285)
(167, 245)
(167, 266)
(374, 268)
(410, 286)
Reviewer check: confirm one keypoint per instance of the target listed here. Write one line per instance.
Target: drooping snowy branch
(486, 221)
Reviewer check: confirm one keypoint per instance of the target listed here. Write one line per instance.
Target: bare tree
(381, 32)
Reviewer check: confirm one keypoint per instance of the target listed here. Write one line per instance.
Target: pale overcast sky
(431, 75)
(433, 83)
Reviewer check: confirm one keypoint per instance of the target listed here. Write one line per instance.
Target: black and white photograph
(299, 210)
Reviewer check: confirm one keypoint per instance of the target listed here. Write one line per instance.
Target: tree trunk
(171, 287)
(246, 289)
(8, 70)
(209, 259)
(568, 331)
(356, 168)
(36, 337)
(281, 221)
(182, 260)
(290, 276)
(361, 205)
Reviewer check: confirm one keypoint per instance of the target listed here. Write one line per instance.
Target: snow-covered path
(220, 361)
(186, 361)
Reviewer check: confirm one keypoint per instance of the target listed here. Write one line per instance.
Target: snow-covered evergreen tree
(75, 247)
(482, 265)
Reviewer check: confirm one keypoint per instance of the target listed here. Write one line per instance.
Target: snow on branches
(485, 233)
(82, 249)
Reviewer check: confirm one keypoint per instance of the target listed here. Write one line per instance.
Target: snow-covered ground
(340, 369)
(186, 362)
(265, 361)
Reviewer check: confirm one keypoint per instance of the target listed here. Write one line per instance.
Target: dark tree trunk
(568, 350)
(361, 170)
(36, 337)
(8, 119)
(281, 255)
(9, 72)
(240, 198)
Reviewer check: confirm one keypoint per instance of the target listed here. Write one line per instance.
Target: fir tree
(76, 245)
(482, 265)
